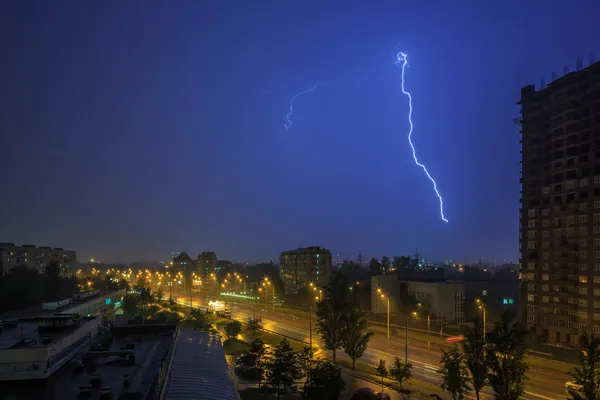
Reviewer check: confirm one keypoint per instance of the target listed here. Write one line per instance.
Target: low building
(36, 258)
(303, 266)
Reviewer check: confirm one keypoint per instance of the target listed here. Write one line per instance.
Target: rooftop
(39, 331)
(199, 370)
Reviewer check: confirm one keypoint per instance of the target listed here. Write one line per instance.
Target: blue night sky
(134, 130)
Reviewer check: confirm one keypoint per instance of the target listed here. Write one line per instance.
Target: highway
(543, 383)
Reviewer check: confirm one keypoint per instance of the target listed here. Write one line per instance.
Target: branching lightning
(401, 59)
(289, 114)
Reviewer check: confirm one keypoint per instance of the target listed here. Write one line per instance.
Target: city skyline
(134, 134)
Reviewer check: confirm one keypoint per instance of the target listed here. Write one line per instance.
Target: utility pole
(406, 342)
(428, 332)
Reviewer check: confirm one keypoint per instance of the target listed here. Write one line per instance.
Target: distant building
(36, 258)
(302, 266)
(559, 236)
(183, 263)
(206, 263)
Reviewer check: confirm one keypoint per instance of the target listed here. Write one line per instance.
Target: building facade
(303, 266)
(560, 207)
(207, 263)
(36, 258)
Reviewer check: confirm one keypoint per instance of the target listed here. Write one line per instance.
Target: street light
(419, 305)
(383, 296)
(482, 308)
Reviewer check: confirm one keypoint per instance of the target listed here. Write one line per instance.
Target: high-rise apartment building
(302, 266)
(560, 207)
(36, 258)
(207, 263)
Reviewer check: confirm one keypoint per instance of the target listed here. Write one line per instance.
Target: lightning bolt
(402, 59)
(289, 114)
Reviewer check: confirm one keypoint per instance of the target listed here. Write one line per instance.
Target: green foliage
(354, 335)
(282, 368)
(256, 356)
(332, 311)
(254, 326)
(200, 321)
(400, 371)
(587, 374)
(506, 355)
(454, 373)
(306, 360)
(130, 304)
(475, 356)
(233, 329)
(159, 295)
(382, 372)
(172, 301)
(325, 382)
(22, 287)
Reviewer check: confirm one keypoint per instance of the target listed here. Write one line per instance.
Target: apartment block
(560, 207)
(207, 263)
(36, 258)
(300, 267)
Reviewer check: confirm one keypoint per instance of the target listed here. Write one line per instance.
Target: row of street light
(415, 314)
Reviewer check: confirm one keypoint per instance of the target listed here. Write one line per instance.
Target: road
(543, 383)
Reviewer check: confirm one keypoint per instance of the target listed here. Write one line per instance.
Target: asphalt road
(543, 383)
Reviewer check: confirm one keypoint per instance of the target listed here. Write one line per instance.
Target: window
(531, 224)
(583, 279)
(583, 255)
(532, 245)
(545, 223)
(595, 329)
(546, 211)
(596, 242)
(583, 206)
(545, 299)
(582, 327)
(582, 303)
(583, 230)
(583, 182)
(545, 288)
(596, 304)
(532, 213)
(545, 234)
(570, 220)
(596, 317)
(596, 217)
(531, 234)
(570, 186)
(596, 229)
(596, 204)
(596, 279)
(583, 267)
(583, 242)
(597, 253)
(582, 315)
(583, 219)
(596, 180)
(596, 292)
(545, 277)
(582, 290)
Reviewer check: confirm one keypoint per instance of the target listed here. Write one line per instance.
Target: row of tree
(22, 287)
(280, 367)
(496, 358)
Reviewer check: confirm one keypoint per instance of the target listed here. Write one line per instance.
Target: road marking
(537, 395)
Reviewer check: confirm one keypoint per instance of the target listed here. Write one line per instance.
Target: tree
(52, 275)
(325, 382)
(282, 368)
(306, 359)
(374, 266)
(130, 304)
(233, 329)
(354, 337)
(475, 357)
(159, 295)
(200, 321)
(454, 373)
(385, 264)
(586, 374)
(254, 326)
(258, 352)
(332, 311)
(400, 371)
(506, 355)
(382, 372)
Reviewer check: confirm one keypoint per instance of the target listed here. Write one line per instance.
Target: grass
(235, 346)
(416, 388)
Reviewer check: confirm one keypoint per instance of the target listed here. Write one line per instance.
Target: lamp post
(482, 308)
(383, 296)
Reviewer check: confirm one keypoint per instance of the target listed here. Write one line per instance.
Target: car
(369, 394)
(574, 386)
